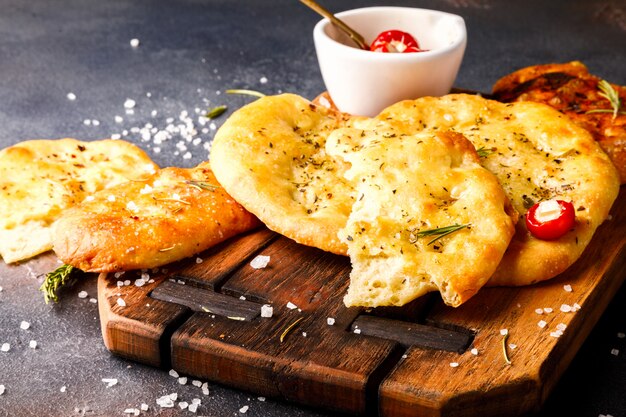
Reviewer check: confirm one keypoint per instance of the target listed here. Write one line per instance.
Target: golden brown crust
(537, 154)
(571, 89)
(171, 215)
(39, 179)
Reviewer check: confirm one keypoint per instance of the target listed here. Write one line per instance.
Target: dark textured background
(190, 53)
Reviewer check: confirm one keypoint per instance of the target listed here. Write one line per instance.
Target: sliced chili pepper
(395, 41)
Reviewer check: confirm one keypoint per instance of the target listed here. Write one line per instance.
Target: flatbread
(39, 179)
(171, 215)
(537, 154)
(270, 156)
(571, 89)
(407, 185)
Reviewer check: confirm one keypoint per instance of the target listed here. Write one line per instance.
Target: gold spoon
(354, 35)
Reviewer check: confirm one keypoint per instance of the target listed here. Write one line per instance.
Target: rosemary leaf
(608, 92)
(484, 152)
(203, 185)
(60, 277)
(246, 92)
(215, 112)
(289, 328)
(504, 350)
(441, 232)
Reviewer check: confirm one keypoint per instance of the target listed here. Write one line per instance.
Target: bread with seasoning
(170, 215)
(40, 179)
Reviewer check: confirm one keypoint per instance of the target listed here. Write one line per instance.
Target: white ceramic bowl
(363, 82)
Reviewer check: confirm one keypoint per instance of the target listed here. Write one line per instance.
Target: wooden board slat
(384, 368)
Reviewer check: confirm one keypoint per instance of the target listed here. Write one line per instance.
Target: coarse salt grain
(263, 80)
(182, 380)
(63, 388)
(512, 346)
(5, 347)
(134, 42)
(262, 399)
(173, 373)
(244, 409)
(71, 96)
(357, 331)
(197, 401)
(134, 411)
(556, 334)
(121, 302)
(2, 389)
(260, 261)
(547, 310)
(110, 381)
(614, 352)
(542, 324)
(504, 332)
(183, 405)
(83, 294)
(205, 388)
(193, 408)
(93, 301)
(144, 407)
(567, 288)
(621, 335)
(330, 321)
(32, 344)
(165, 402)
(267, 311)
(454, 364)
(566, 308)
(291, 306)
(199, 260)
(24, 325)
(539, 310)
(561, 326)
(474, 351)
(111, 198)
(129, 103)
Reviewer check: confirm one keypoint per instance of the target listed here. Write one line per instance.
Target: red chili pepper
(549, 220)
(395, 41)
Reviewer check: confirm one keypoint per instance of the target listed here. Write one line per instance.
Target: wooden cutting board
(202, 317)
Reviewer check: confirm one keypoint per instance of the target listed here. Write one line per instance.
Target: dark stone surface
(191, 51)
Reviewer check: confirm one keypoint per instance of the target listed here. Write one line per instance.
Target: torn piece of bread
(427, 217)
(173, 214)
(538, 154)
(39, 179)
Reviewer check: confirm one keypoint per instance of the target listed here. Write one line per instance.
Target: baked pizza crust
(39, 179)
(171, 215)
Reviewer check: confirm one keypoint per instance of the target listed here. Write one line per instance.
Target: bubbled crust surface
(168, 216)
(537, 153)
(39, 179)
(571, 89)
(407, 184)
(270, 156)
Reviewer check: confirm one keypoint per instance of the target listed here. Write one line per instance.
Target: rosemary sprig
(484, 152)
(203, 185)
(60, 277)
(215, 112)
(441, 232)
(609, 93)
(245, 92)
(504, 350)
(289, 328)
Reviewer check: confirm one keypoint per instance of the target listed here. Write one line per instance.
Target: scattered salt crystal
(196, 383)
(621, 335)
(165, 402)
(244, 409)
(71, 96)
(267, 311)
(183, 405)
(173, 373)
(5, 347)
(474, 351)
(303, 334)
(0, 289)
(83, 294)
(542, 324)
(120, 283)
(576, 307)
(144, 407)
(263, 80)
(567, 287)
(556, 334)
(173, 396)
(87, 122)
(129, 103)
(63, 388)
(291, 306)
(504, 332)
(2, 389)
(193, 408)
(118, 119)
(548, 310)
(140, 282)
(205, 388)
(182, 380)
(134, 411)
(447, 117)
(566, 308)
(561, 326)
(242, 298)
(116, 136)
(512, 346)
(197, 401)
(121, 302)
(134, 42)
(110, 381)
(539, 310)
(454, 364)
(127, 282)
(93, 301)
(614, 352)
(95, 122)
(24, 325)
(260, 261)
(199, 260)
(330, 321)
(32, 344)
(262, 399)
(357, 331)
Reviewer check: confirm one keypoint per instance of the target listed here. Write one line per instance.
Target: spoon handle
(355, 36)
